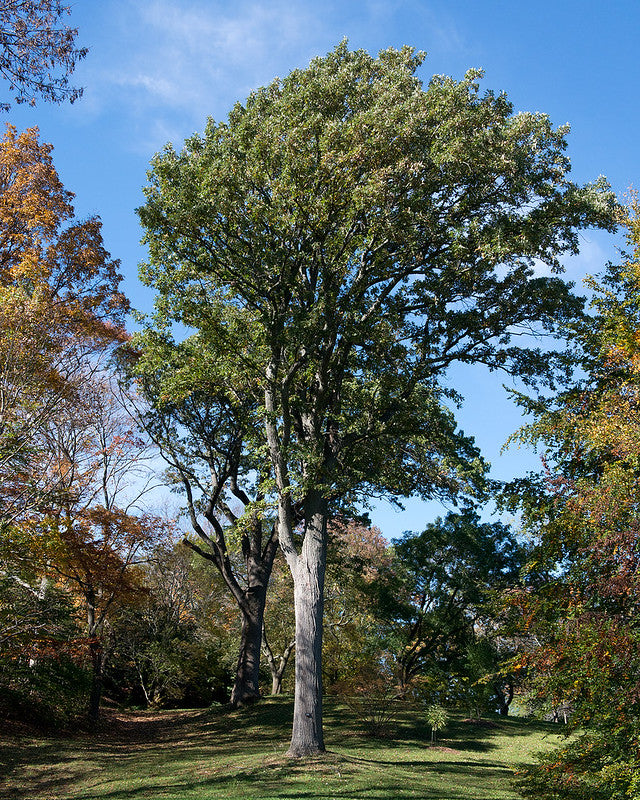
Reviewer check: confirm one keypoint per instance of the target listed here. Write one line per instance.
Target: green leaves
(341, 240)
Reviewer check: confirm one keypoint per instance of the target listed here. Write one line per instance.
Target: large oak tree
(341, 240)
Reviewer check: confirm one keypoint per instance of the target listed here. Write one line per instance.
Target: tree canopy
(60, 303)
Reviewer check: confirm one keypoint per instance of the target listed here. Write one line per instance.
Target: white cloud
(596, 249)
(168, 64)
(190, 55)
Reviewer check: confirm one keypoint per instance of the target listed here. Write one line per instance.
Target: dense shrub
(42, 655)
(585, 769)
(51, 691)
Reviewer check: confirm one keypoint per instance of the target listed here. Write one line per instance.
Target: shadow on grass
(240, 754)
(410, 729)
(336, 778)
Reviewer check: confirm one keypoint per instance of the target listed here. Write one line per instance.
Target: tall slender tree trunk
(95, 693)
(97, 655)
(246, 688)
(308, 572)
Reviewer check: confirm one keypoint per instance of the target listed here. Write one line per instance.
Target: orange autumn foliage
(60, 307)
(45, 252)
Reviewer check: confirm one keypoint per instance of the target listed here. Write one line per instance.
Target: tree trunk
(251, 600)
(95, 694)
(246, 688)
(504, 696)
(277, 669)
(94, 629)
(308, 572)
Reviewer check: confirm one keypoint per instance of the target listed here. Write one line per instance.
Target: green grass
(209, 755)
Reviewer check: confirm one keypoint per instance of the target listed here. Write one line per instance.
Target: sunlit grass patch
(198, 755)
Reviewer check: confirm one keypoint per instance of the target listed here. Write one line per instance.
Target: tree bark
(97, 660)
(504, 696)
(308, 570)
(95, 694)
(251, 600)
(246, 688)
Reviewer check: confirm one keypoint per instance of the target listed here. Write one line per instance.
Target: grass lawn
(208, 755)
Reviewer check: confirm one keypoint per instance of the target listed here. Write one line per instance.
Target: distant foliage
(353, 641)
(434, 603)
(168, 648)
(42, 650)
(582, 601)
(373, 699)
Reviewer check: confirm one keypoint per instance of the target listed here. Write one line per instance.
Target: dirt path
(116, 728)
(146, 727)
(127, 748)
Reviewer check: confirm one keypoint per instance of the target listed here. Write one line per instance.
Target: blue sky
(157, 68)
